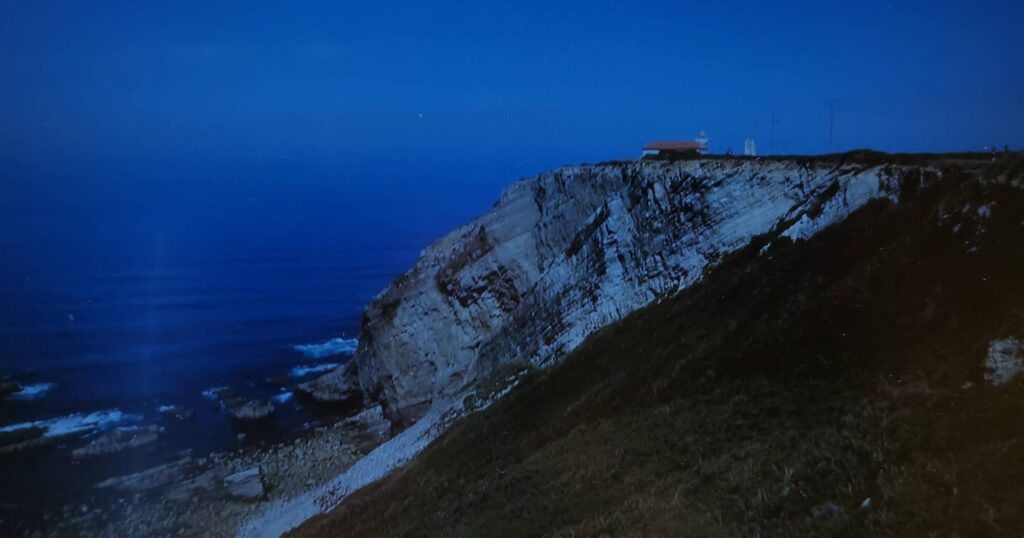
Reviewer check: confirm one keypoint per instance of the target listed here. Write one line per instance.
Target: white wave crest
(334, 346)
(302, 371)
(282, 398)
(75, 423)
(33, 391)
(215, 393)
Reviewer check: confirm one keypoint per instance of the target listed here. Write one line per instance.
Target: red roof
(674, 145)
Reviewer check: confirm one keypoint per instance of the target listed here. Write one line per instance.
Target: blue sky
(514, 86)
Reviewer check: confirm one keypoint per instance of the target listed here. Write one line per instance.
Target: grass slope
(771, 399)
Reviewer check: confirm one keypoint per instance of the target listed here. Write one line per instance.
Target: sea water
(124, 290)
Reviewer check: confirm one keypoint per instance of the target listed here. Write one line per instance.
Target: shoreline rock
(179, 412)
(151, 478)
(246, 485)
(370, 427)
(248, 410)
(213, 494)
(218, 394)
(117, 440)
(339, 388)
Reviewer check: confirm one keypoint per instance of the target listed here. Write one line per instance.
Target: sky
(498, 88)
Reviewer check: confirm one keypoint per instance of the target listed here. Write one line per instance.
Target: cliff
(866, 381)
(566, 253)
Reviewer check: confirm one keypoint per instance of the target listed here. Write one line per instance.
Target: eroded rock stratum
(569, 251)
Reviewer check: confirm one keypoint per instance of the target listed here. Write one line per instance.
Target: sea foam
(302, 371)
(334, 346)
(215, 393)
(33, 391)
(75, 423)
(282, 397)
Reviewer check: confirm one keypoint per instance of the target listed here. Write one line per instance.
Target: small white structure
(749, 148)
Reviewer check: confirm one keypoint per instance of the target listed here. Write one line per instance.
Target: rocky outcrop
(243, 409)
(339, 386)
(155, 477)
(248, 410)
(368, 428)
(117, 440)
(567, 252)
(179, 412)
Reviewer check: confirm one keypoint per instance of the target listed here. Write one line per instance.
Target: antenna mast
(771, 144)
(831, 125)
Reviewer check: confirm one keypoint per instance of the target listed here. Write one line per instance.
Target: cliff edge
(570, 251)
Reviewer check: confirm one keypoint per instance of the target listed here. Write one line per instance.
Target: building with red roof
(698, 146)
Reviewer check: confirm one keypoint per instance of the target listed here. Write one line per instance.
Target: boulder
(202, 485)
(246, 485)
(248, 410)
(1004, 361)
(370, 428)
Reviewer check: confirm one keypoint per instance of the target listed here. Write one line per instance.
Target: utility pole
(831, 125)
(771, 145)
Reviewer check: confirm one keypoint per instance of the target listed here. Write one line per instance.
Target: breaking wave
(215, 393)
(334, 346)
(282, 398)
(33, 391)
(75, 423)
(302, 371)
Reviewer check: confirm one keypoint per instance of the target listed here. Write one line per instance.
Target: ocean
(124, 289)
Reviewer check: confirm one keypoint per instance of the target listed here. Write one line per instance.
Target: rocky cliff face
(567, 252)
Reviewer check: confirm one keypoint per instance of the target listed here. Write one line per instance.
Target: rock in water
(117, 440)
(340, 386)
(242, 409)
(572, 250)
(179, 412)
(218, 394)
(246, 485)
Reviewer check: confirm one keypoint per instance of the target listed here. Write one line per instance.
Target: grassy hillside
(831, 387)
